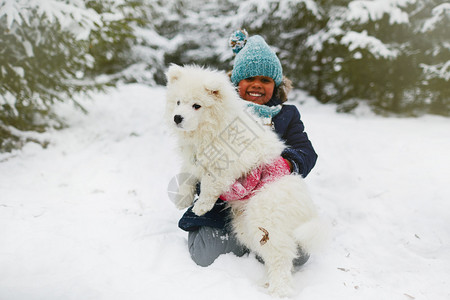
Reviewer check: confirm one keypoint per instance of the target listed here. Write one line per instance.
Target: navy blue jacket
(291, 130)
(299, 152)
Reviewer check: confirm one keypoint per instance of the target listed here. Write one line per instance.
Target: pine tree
(53, 50)
(127, 47)
(391, 53)
(43, 55)
(432, 20)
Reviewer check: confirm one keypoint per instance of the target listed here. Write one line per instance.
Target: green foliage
(111, 43)
(405, 74)
(395, 57)
(43, 62)
(39, 65)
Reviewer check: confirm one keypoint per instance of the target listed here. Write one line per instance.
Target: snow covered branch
(438, 14)
(364, 11)
(72, 16)
(360, 40)
(441, 71)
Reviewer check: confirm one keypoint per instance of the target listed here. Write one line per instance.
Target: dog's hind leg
(278, 253)
(267, 237)
(280, 277)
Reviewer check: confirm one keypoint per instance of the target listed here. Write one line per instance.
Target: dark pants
(207, 243)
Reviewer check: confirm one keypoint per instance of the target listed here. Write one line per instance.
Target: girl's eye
(178, 102)
(196, 106)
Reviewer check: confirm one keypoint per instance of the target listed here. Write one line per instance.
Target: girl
(258, 76)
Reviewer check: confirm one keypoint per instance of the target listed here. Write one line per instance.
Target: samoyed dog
(220, 141)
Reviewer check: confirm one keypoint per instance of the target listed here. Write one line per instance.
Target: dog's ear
(215, 93)
(214, 89)
(173, 73)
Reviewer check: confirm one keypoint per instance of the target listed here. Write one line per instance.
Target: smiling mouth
(255, 94)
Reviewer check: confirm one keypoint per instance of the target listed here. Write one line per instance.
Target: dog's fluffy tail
(312, 235)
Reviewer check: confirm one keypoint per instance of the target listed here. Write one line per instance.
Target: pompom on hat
(253, 58)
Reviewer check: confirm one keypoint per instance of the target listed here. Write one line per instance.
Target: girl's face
(258, 89)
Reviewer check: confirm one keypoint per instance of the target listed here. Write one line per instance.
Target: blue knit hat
(253, 58)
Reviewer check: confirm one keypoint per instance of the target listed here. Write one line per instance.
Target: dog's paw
(280, 290)
(184, 197)
(280, 284)
(200, 208)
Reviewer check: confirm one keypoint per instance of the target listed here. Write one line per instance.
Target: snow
(80, 22)
(89, 217)
(285, 10)
(439, 13)
(437, 71)
(360, 40)
(365, 11)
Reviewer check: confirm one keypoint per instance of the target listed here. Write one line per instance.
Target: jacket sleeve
(300, 151)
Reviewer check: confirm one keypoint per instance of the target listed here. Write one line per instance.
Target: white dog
(221, 141)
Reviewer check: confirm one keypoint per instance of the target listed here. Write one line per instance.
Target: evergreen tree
(394, 54)
(382, 51)
(42, 58)
(432, 20)
(128, 47)
(52, 51)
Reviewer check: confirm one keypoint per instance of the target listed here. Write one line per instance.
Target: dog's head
(195, 95)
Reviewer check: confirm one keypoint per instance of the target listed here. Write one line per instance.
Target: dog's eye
(196, 106)
(178, 102)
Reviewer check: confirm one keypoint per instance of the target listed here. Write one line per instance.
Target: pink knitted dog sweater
(246, 186)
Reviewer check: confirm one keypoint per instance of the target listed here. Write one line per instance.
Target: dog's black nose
(178, 119)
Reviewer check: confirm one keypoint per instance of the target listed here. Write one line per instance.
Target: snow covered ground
(89, 217)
